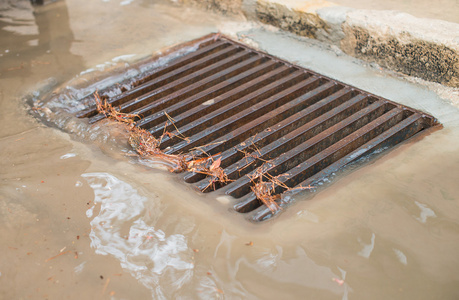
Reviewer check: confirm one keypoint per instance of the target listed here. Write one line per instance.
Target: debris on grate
(251, 124)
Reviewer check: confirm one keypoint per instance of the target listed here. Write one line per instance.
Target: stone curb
(416, 47)
(424, 48)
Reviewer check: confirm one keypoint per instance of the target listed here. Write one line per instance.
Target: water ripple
(121, 229)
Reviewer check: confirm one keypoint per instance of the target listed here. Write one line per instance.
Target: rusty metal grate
(233, 99)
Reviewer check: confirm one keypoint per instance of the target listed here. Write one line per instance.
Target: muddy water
(80, 219)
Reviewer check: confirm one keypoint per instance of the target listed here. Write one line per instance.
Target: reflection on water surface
(122, 228)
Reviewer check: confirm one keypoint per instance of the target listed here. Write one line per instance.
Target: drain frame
(331, 124)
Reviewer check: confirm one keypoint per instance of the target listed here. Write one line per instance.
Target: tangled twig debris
(215, 171)
(108, 110)
(142, 141)
(264, 191)
(146, 145)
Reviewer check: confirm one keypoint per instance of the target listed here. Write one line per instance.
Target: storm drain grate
(296, 124)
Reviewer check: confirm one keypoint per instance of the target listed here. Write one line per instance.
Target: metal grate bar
(196, 128)
(400, 132)
(232, 155)
(144, 85)
(184, 65)
(186, 105)
(334, 152)
(308, 147)
(247, 115)
(262, 124)
(205, 82)
(261, 115)
(289, 139)
(175, 74)
(230, 96)
(225, 66)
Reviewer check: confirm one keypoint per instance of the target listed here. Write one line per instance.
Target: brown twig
(106, 285)
(265, 191)
(62, 253)
(179, 135)
(215, 171)
(109, 111)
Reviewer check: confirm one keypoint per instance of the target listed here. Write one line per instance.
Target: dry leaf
(216, 164)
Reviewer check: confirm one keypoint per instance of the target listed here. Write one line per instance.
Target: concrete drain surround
(261, 113)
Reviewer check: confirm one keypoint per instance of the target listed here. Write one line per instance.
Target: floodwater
(80, 219)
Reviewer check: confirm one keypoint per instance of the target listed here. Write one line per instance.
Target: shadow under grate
(295, 124)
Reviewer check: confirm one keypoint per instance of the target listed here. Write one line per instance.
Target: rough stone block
(299, 17)
(423, 48)
(224, 6)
